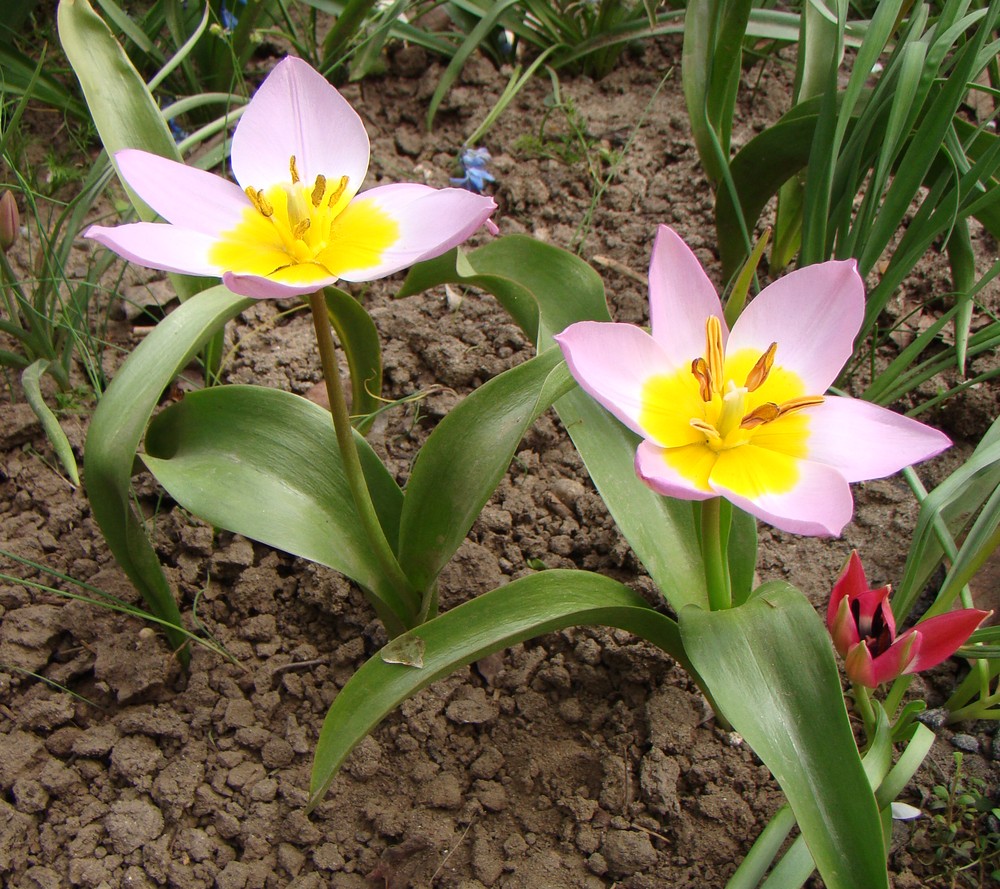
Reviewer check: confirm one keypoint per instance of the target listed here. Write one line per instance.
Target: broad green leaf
(545, 289)
(661, 530)
(117, 427)
(464, 459)
(796, 865)
(31, 381)
(528, 277)
(360, 342)
(769, 665)
(528, 607)
(265, 463)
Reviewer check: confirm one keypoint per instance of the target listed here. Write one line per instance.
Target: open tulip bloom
(743, 414)
(295, 222)
(864, 631)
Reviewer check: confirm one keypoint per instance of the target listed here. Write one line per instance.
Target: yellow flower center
(729, 418)
(737, 418)
(296, 231)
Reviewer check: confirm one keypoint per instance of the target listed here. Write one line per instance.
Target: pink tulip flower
(864, 631)
(295, 222)
(742, 414)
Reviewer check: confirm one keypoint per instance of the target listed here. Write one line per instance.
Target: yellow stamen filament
(758, 374)
(293, 170)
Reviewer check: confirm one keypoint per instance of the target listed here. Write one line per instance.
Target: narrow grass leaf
(31, 381)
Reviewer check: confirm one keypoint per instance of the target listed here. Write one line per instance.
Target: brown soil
(582, 759)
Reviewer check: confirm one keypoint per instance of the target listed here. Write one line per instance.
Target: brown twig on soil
(608, 263)
(452, 851)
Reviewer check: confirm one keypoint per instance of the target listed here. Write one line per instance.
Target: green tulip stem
(402, 603)
(713, 552)
(863, 701)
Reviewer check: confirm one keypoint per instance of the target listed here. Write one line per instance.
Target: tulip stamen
(293, 170)
(318, 191)
(699, 367)
(759, 372)
(261, 204)
(337, 192)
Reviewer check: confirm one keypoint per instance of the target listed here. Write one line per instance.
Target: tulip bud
(10, 221)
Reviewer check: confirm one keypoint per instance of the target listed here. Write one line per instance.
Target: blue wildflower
(473, 163)
(229, 19)
(176, 130)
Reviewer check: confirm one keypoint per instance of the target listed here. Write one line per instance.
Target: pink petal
(813, 314)
(295, 112)
(183, 195)
(895, 661)
(851, 582)
(257, 287)
(819, 505)
(431, 221)
(842, 626)
(612, 362)
(859, 666)
(681, 298)
(159, 246)
(939, 637)
(864, 441)
(659, 475)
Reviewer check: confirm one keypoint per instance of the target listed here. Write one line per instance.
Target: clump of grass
(964, 831)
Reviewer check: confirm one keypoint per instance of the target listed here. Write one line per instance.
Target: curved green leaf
(471, 43)
(545, 289)
(464, 459)
(31, 381)
(769, 664)
(945, 514)
(530, 606)
(265, 463)
(118, 424)
(124, 111)
(359, 340)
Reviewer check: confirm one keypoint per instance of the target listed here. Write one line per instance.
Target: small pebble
(935, 718)
(965, 742)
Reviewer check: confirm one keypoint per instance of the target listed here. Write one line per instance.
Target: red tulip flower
(864, 631)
